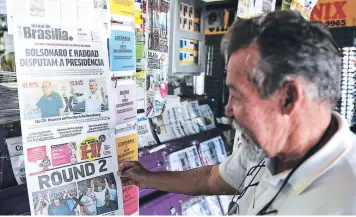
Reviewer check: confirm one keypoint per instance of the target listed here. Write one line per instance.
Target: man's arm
(92, 185)
(61, 112)
(200, 181)
(65, 194)
(37, 105)
(77, 99)
(49, 198)
(106, 185)
(86, 211)
(103, 99)
(60, 105)
(38, 207)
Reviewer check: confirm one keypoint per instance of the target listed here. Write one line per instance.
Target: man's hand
(133, 173)
(72, 91)
(33, 107)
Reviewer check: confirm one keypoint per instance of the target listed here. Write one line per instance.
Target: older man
(50, 103)
(93, 100)
(284, 81)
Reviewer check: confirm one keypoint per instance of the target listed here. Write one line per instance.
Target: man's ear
(291, 96)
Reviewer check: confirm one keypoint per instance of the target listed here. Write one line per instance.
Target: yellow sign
(123, 8)
(138, 17)
(305, 8)
(335, 13)
(140, 75)
(126, 148)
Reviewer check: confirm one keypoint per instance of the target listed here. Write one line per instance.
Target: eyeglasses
(233, 205)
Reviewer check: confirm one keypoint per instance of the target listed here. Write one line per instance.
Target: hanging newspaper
(61, 10)
(158, 27)
(67, 118)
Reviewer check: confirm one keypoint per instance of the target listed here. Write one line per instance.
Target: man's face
(92, 87)
(46, 88)
(100, 188)
(89, 191)
(57, 202)
(258, 118)
(112, 186)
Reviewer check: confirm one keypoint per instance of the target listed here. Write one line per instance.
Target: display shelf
(188, 39)
(153, 158)
(219, 128)
(169, 204)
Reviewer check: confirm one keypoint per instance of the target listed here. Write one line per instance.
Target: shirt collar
(318, 164)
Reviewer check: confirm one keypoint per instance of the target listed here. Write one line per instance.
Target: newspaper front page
(61, 10)
(67, 117)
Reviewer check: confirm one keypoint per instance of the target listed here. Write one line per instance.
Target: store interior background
(197, 83)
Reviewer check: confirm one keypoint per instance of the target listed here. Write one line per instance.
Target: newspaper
(157, 39)
(144, 132)
(305, 7)
(127, 150)
(67, 116)
(59, 10)
(15, 148)
(125, 103)
(122, 50)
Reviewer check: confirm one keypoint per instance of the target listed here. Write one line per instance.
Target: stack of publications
(9, 106)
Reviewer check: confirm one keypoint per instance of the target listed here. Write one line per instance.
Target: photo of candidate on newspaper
(100, 4)
(48, 98)
(57, 201)
(99, 195)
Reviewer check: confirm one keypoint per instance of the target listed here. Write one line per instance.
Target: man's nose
(228, 109)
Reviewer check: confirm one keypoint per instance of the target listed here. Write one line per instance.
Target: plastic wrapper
(161, 130)
(183, 119)
(212, 151)
(206, 110)
(15, 148)
(185, 159)
(176, 130)
(144, 132)
(214, 205)
(209, 122)
(9, 108)
(173, 114)
(224, 202)
(191, 110)
(196, 206)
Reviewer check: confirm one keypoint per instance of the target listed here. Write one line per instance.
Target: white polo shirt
(93, 101)
(325, 184)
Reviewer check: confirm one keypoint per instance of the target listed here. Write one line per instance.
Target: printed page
(305, 7)
(127, 150)
(67, 117)
(122, 51)
(15, 148)
(144, 132)
(157, 39)
(59, 10)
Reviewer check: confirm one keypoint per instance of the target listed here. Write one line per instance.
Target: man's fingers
(125, 166)
(126, 181)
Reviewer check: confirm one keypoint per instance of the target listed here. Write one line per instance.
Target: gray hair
(289, 47)
(92, 81)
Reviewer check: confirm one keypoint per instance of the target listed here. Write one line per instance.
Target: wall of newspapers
(76, 68)
(157, 21)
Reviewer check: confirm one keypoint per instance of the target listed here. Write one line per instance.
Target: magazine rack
(153, 202)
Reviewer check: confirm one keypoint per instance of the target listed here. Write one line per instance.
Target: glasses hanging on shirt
(234, 208)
